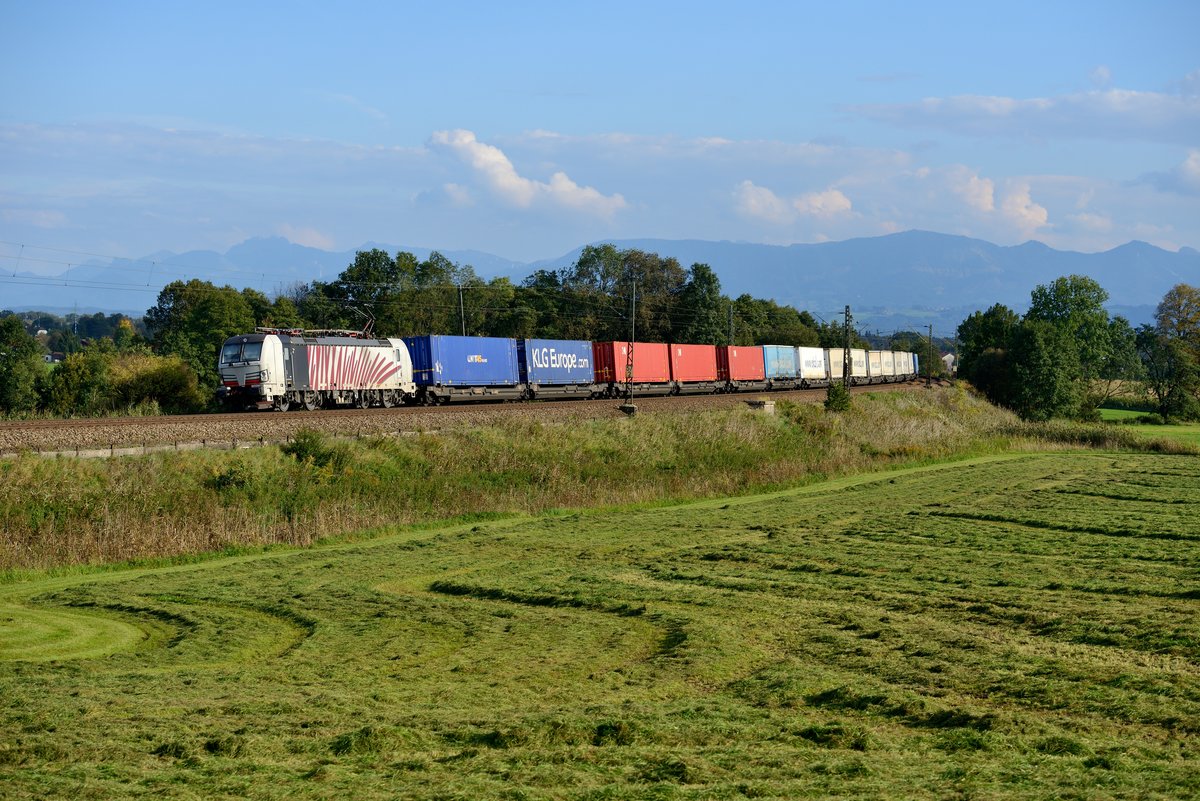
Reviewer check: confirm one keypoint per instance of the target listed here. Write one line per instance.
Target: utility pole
(628, 406)
(462, 316)
(929, 367)
(846, 352)
(730, 323)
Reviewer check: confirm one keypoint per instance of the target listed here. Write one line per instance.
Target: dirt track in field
(251, 427)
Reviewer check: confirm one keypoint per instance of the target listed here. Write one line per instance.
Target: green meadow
(1019, 624)
(1188, 433)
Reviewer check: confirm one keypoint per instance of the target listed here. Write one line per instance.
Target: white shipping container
(875, 365)
(813, 364)
(858, 365)
(889, 364)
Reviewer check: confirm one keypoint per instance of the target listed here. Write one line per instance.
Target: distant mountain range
(904, 280)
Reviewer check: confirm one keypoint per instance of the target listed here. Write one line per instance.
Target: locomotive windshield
(241, 352)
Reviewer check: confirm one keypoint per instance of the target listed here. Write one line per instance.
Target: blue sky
(527, 129)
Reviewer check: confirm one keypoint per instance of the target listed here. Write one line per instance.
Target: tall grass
(65, 511)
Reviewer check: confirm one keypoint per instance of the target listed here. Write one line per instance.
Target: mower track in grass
(1020, 626)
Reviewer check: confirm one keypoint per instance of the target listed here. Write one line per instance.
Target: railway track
(64, 436)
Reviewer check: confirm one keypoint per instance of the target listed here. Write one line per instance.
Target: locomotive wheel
(311, 400)
(361, 400)
(282, 404)
(387, 398)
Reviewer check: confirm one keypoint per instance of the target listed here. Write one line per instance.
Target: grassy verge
(1013, 626)
(60, 512)
(65, 511)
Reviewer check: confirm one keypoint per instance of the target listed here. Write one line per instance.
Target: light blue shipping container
(780, 361)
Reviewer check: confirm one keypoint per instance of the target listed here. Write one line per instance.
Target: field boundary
(24, 588)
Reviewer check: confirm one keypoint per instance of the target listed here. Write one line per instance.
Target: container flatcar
(815, 367)
(741, 368)
(875, 367)
(781, 366)
(651, 368)
(556, 368)
(456, 368)
(858, 365)
(693, 368)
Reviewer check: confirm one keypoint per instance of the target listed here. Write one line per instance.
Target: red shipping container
(650, 362)
(692, 363)
(741, 363)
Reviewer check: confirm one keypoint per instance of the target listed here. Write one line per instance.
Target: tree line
(605, 295)
(1066, 356)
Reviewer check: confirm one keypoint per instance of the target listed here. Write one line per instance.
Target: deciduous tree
(191, 320)
(20, 367)
(1178, 317)
(990, 330)
(1044, 367)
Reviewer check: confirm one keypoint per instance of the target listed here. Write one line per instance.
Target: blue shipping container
(463, 361)
(781, 361)
(555, 361)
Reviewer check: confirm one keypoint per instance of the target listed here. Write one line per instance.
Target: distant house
(53, 358)
(948, 361)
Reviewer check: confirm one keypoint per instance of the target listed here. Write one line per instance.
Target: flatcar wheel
(311, 400)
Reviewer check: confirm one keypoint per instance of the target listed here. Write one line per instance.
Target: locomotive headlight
(266, 375)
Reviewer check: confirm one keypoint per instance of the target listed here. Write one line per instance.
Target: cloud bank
(131, 190)
(1104, 113)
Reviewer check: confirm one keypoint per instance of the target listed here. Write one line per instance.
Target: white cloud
(505, 182)
(354, 103)
(829, 203)
(38, 218)
(1101, 77)
(1092, 222)
(1107, 113)
(1155, 234)
(1019, 208)
(1190, 85)
(1189, 171)
(758, 202)
(459, 195)
(979, 193)
(1183, 179)
(308, 237)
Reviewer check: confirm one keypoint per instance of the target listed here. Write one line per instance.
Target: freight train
(285, 368)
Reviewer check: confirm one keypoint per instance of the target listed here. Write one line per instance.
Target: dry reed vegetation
(57, 512)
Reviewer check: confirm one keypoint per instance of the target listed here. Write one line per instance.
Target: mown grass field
(1011, 626)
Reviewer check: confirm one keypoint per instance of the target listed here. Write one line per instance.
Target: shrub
(309, 446)
(837, 397)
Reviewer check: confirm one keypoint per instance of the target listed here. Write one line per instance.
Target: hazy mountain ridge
(914, 278)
